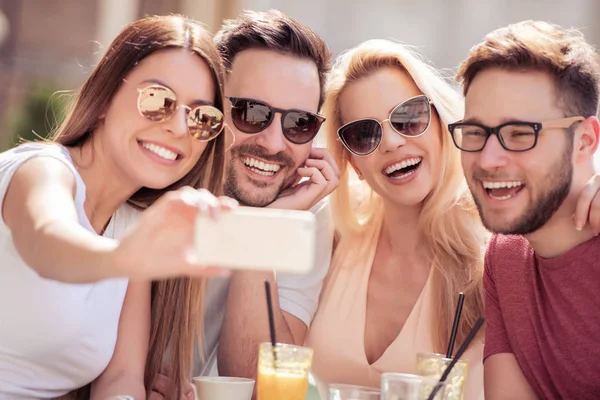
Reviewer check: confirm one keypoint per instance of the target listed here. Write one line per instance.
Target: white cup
(223, 388)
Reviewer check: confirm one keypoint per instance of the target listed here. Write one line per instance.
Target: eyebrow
(197, 102)
(472, 120)
(249, 98)
(475, 120)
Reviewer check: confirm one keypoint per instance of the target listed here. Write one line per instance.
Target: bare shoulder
(37, 180)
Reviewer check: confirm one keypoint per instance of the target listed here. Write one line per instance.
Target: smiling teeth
(261, 167)
(406, 163)
(500, 185)
(508, 196)
(160, 151)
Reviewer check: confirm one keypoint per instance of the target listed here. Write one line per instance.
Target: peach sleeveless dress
(337, 331)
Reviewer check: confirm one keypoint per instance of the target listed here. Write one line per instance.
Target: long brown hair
(176, 303)
(449, 220)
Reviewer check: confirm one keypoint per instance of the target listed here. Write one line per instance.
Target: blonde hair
(449, 220)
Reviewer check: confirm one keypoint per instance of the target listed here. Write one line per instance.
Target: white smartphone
(261, 239)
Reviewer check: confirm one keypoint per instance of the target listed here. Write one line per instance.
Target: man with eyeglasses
(528, 139)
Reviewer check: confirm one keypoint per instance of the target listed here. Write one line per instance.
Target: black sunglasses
(253, 116)
(410, 118)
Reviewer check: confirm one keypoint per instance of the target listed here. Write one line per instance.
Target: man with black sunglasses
(276, 70)
(528, 139)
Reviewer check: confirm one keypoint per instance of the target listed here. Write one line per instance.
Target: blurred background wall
(52, 45)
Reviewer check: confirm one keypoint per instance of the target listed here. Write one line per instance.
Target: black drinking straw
(458, 355)
(271, 319)
(459, 306)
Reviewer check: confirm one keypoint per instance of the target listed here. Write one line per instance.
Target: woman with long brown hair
(144, 129)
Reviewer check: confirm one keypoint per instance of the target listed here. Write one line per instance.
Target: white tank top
(54, 337)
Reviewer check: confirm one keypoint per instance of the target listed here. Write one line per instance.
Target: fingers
(322, 159)
(191, 202)
(325, 155)
(314, 174)
(296, 180)
(155, 396)
(161, 384)
(200, 198)
(190, 394)
(312, 190)
(309, 192)
(588, 205)
(227, 203)
(328, 173)
(209, 272)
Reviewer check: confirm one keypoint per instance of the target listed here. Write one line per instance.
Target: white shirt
(298, 294)
(54, 337)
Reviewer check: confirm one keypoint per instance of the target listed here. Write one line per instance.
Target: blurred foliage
(42, 112)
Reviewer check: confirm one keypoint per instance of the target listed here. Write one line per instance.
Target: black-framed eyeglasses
(411, 118)
(513, 136)
(254, 116)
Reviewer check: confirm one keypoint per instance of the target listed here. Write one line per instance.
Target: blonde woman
(409, 236)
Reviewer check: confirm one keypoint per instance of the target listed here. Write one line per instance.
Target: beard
(555, 188)
(261, 193)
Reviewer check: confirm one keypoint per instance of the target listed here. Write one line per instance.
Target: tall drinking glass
(433, 365)
(283, 371)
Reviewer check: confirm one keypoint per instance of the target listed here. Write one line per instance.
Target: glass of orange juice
(283, 371)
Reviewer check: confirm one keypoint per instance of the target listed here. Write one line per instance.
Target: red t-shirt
(547, 313)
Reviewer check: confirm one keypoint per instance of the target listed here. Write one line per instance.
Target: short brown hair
(276, 31)
(573, 64)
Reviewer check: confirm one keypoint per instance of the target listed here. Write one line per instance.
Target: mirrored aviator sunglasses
(410, 118)
(158, 103)
(253, 116)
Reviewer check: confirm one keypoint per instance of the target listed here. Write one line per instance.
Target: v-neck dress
(337, 331)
